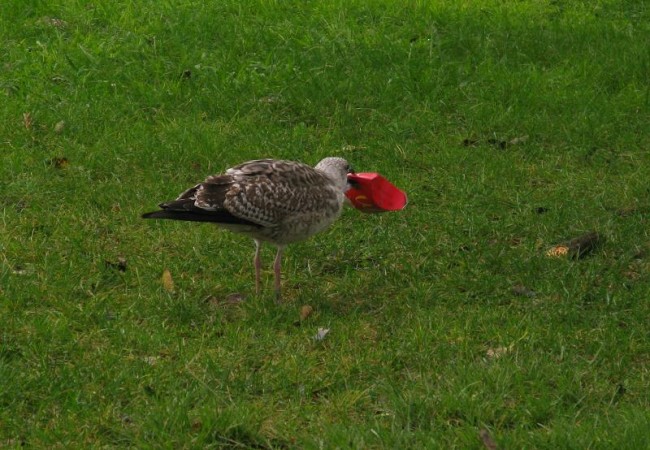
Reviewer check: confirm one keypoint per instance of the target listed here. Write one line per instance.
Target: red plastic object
(372, 193)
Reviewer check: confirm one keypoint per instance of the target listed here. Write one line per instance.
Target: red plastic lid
(370, 192)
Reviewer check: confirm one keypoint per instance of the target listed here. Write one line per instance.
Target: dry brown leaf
(28, 121)
(518, 140)
(576, 248)
(235, 298)
(522, 291)
(54, 22)
(167, 280)
(58, 128)
(557, 251)
(495, 353)
(213, 302)
(59, 162)
(487, 439)
(631, 274)
(306, 311)
(229, 300)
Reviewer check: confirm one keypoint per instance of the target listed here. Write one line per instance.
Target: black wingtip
(151, 215)
(219, 217)
(157, 215)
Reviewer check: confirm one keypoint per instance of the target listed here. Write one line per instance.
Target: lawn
(512, 126)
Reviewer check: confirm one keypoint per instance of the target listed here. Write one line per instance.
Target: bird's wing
(261, 193)
(268, 191)
(202, 203)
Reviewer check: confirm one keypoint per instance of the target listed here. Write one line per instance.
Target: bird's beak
(352, 184)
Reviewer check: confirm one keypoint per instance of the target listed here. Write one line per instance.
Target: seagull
(274, 201)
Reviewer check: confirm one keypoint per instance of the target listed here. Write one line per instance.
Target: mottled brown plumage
(273, 201)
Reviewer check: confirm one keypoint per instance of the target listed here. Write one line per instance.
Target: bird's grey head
(337, 169)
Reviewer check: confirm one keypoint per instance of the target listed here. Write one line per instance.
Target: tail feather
(220, 216)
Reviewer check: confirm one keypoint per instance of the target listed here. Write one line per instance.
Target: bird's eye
(349, 169)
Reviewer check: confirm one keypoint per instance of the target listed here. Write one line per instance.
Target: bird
(274, 201)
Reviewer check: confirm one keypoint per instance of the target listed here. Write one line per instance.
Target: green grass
(151, 97)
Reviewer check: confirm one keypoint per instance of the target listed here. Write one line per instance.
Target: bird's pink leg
(277, 267)
(257, 261)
